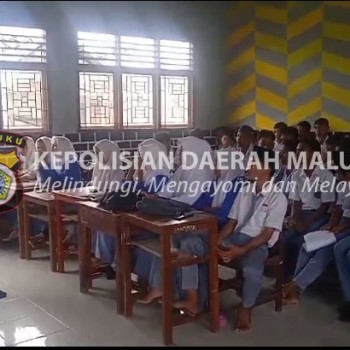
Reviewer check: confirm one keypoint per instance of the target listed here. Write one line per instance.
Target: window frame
(29, 66)
(156, 74)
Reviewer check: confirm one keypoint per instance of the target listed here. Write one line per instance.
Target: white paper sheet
(318, 239)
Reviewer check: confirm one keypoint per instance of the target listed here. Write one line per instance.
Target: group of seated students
(251, 221)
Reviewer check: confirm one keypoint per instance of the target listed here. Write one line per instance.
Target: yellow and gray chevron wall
(289, 61)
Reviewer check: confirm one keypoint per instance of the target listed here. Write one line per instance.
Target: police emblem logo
(8, 184)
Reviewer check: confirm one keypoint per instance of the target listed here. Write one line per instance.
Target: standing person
(322, 129)
(309, 204)
(245, 141)
(278, 129)
(256, 220)
(304, 130)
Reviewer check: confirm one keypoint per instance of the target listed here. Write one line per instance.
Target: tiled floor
(46, 309)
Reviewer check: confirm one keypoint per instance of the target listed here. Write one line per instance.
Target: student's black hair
(291, 145)
(280, 125)
(292, 131)
(304, 124)
(322, 121)
(311, 145)
(266, 157)
(246, 129)
(266, 134)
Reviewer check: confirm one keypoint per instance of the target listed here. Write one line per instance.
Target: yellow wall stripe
(271, 42)
(239, 34)
(271, 71)
(336, 93)
(271, 13)
(305, 23)
(336, 31)
(264, 122)
(336, 62)
(242, 60)
(305, 110)
(305, 52)
(338, 3)
(304, 82)
(243, 112)
(337, 124)
(275, 101)
(241, 88)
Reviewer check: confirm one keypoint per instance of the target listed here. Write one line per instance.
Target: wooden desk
(92, 217)
(45, 201)
(166, 228)
(62, 198)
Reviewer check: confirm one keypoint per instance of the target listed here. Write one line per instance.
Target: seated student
(228, 141)
(266, 139)
(277, 129)
(342, 259)
(106, 176)
(63, 166)
(219, 133)
(322, 130)
(329, 147)
(187, 173)
(311, 265)
(245, 141)
(256, 219)
(309, 204)
(284, 174)
(28, 157)
(289, 133)
(304, 130)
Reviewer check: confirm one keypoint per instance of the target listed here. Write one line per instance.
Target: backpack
(163, 207)
(120, 201)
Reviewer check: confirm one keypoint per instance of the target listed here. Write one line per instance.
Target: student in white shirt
(277, 129)
(311, 265)
(256, 219)
(322, 129)
(266, 139)
(309, 204)
(245, 141)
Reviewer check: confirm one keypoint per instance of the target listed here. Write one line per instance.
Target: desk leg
(21, 231)
(126, 264)
(52, 237)
(26, 231)
(84, 257)
(59, 237)
(214, 279)
(167, 305)
(119, 274)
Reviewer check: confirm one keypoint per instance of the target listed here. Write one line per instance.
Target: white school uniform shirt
(311, 200)
(255, 211)
(343, 200)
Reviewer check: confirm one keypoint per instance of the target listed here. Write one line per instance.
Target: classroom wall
(198, 22)
(289, 61)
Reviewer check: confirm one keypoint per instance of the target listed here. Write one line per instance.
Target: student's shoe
(110, 273)
(11, 237)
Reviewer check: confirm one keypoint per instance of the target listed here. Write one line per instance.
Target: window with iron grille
(147, 82)
(23, 86)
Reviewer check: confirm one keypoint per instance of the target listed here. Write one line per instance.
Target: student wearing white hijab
(106, 176)
(28, 157)
(193, 169)
(107, 166)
